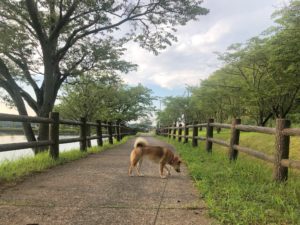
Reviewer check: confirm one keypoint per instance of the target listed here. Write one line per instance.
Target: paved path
(96, 190)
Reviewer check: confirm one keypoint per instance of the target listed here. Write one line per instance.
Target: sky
(193, 57)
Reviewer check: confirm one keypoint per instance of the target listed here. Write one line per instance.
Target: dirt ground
(97, 190)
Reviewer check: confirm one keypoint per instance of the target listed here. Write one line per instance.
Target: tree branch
(23, 65)
(36, 23)
(63, 21)
(73, 38)
(10, 82)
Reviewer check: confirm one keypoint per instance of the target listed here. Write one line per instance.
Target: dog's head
(175, 163)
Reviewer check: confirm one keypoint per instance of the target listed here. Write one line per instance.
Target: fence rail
(54, 121)
(282, 132)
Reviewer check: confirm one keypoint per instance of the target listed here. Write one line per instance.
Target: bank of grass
(13, 171)
(258, 141)
(242, 192)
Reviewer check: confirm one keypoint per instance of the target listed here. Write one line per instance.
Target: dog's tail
(140, 142)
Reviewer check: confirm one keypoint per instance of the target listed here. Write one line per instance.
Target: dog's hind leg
(138, 168)
(130, 170)
(133, 161)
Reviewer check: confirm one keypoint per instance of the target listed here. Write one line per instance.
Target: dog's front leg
(161, 170)
(168, 170)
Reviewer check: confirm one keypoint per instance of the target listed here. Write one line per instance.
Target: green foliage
(285, 43)
(176, 110)
(48, 42)
(127, 103)
(105, 98)
(85, 96)
(259, 79)
(241, 192)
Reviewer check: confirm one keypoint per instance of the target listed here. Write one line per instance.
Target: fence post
(99, 133)
(170, 131)
(186, 133)
(54, 135)
(234, 140)
(174, 131)
(83, 134)
(282, 144)
(110, 134)
(195, 135)
(179, 133)
(209, 134)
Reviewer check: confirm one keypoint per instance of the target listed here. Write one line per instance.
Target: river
(12, 138)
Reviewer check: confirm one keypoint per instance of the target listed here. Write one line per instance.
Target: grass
(13, 171)
(242, 192)
(261, 142)
(265, 143)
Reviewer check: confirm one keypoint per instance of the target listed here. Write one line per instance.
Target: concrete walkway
(96, 190)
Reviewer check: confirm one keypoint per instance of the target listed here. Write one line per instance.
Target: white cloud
(203, 42)
(179, 79)
(192, 58)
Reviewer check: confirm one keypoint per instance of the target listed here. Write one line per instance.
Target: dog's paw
(163, 177)
(141, 175)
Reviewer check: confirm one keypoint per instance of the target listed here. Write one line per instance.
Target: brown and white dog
(161, 155)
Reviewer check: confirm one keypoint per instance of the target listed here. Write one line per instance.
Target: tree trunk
(88, 133)
(19, 103)
(43, 134)
(49, 95)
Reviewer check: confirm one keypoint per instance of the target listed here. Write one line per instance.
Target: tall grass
(241, 192)
(13, 171)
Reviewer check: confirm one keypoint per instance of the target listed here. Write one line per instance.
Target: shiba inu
(161, 155)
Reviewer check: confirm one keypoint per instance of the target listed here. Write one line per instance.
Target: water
(13, 155)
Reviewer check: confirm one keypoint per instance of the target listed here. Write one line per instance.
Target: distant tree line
(104, 97)
(259, 80)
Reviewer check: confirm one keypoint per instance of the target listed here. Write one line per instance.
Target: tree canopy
(259, 79)
(106, 98)
(48, 42)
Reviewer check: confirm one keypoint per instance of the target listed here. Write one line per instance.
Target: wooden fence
(282, 133)
(54, 121)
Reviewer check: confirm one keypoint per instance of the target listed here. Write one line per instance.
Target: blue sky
(193, 57)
